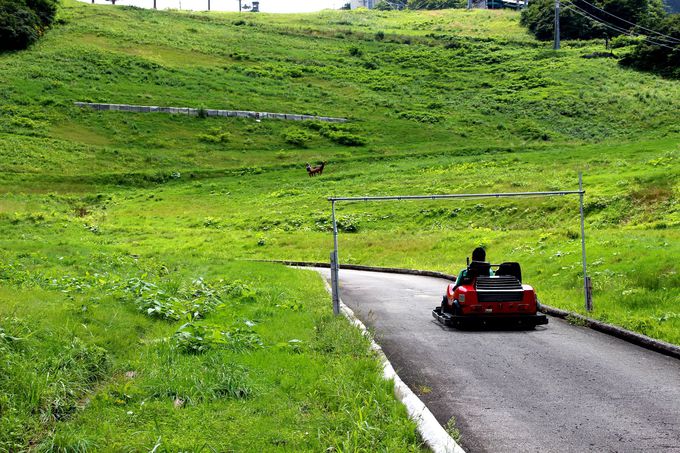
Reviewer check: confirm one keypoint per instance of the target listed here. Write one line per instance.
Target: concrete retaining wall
(207, 112)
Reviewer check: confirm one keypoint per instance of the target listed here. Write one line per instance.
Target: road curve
(559, 388)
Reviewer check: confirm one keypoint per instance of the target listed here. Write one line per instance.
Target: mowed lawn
(131, 314)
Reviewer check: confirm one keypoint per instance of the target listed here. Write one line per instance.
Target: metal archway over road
(335, 263)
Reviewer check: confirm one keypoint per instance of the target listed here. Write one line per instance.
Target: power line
(629, 22)
(594, 18)
(587, 15)
(614, 27)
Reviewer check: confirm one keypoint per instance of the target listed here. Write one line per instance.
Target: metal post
(208, 5)
(587, 292)
(154, 4)
(335, 264)
(469, 4)
(239, 6)
(556, 46)
(334, 284)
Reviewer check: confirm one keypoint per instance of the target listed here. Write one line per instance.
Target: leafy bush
(539, 16)
(436, 4)
(215, 136)
(421, 117)
(297, 137)
(382, 5)
(355, 51)
(345, 138)
(651, 57)
(22, 22)
(197, 339)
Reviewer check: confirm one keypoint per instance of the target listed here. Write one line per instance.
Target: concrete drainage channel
(433, 434)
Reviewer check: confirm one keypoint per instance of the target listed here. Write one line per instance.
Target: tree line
(645, 24)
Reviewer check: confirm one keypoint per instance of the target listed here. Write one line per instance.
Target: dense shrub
(436, 4)
(297, 137)
(382, 5)
(355, 51)
(345, 138)
(662, 59)
(22, 22)
(539, 17)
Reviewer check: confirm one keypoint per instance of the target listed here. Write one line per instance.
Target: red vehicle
(485, 299)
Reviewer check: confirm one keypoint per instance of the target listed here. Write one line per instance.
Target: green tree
(539, 16)
(664, 59)
(46, 10)
(385, 5)
(22, 22)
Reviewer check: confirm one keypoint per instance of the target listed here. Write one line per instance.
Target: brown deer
(316, 170)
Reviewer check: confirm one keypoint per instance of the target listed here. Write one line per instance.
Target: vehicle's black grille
(504, 282)
(500, 296)
(499, 289)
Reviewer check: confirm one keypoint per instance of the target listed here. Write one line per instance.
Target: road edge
(433, 434)
(635, 338)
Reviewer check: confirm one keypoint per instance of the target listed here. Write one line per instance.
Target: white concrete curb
(434, 435)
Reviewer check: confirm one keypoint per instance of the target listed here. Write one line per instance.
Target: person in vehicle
(478, 256)
(477, 267)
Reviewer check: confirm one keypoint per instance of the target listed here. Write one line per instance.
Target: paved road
(557, 388)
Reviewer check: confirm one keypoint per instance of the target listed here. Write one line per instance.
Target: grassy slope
(447, 102)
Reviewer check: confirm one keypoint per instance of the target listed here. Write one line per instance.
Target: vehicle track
(557, 388)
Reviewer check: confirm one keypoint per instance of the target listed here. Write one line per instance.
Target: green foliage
(297, 137)
(336, 133)
(22, 22)
(539, 16)
(216, 135)
(436, 4)
(665, 59)
(355, 51)
(384, 5)
(184, 380)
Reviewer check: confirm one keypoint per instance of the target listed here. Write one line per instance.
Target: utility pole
(208, 5)
(239, 5)
(154, 4)
(556, 46)
(469, 4)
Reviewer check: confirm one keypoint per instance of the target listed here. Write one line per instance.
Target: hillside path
(559, 388)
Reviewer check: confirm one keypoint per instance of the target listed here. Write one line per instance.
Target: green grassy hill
(108, 219)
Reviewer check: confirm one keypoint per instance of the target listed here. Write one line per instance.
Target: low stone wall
(207, 112)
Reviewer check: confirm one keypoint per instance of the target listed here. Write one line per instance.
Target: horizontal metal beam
(461, 195)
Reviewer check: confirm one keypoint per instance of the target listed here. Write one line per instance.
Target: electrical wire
(594, 18)
(631, 23)
(615, 28)
(587, 15)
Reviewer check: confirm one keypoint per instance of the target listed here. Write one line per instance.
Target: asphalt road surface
(559, 388)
